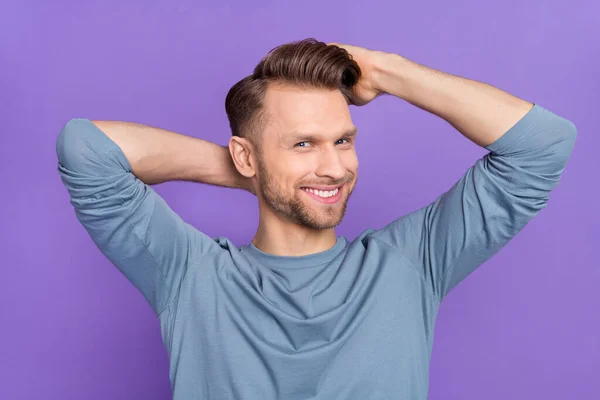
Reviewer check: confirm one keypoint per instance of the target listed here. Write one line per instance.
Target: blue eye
(306, 143)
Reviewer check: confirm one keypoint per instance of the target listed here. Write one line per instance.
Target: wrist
(390, 72)
(246, 184)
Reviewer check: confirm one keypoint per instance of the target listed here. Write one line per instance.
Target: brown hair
(306, 63)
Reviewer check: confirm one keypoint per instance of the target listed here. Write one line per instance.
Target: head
(292, 133)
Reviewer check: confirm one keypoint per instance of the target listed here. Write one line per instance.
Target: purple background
(524, 326)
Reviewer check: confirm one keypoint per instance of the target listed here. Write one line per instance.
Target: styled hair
(306, 63)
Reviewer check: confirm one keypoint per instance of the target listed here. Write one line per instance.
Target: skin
(291, 222)
(307, 142)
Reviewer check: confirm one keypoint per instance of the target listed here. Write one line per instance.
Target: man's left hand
(366, 89)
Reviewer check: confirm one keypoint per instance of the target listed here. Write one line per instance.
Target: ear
(242, 152)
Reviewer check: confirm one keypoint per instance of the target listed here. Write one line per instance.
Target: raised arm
(107, 167)
(529, 148)
(489, 205)
(158, 155)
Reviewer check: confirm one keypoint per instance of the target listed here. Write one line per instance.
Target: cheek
(351, 161)
(284, 180)
(294, 172)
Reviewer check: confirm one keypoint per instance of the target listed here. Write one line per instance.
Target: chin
(326, 222)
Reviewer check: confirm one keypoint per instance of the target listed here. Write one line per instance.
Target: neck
(285, 238)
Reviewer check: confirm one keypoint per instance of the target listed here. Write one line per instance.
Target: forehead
(292, 110)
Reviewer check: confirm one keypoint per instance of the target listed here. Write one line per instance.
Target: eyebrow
(302, 136)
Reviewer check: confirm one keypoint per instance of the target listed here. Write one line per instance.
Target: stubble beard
(295, 209)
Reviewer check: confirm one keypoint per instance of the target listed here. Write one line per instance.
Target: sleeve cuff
(513, 136)
(94, 143)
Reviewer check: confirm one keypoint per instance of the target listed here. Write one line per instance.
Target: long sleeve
(129, 222)
(489, 205)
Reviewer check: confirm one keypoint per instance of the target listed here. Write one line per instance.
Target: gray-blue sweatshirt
(353, 322)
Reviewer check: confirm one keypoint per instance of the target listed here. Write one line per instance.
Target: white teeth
(323, 193)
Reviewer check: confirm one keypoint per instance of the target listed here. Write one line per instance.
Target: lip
(328, 200)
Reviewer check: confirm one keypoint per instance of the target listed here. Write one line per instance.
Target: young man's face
(307, 145)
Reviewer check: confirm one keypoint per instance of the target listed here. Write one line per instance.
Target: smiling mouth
(324, 196)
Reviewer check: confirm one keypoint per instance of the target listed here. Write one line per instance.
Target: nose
(330, 164)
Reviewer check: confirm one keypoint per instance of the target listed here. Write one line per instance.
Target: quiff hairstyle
(306, 64)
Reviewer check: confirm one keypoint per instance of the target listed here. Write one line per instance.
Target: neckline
(292, 262)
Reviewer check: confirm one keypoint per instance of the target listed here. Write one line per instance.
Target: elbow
(566, 143)
(63, 142)
(71, 144)
(553, 160)
(571, 131)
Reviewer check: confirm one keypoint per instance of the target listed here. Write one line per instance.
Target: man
(302, 313)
